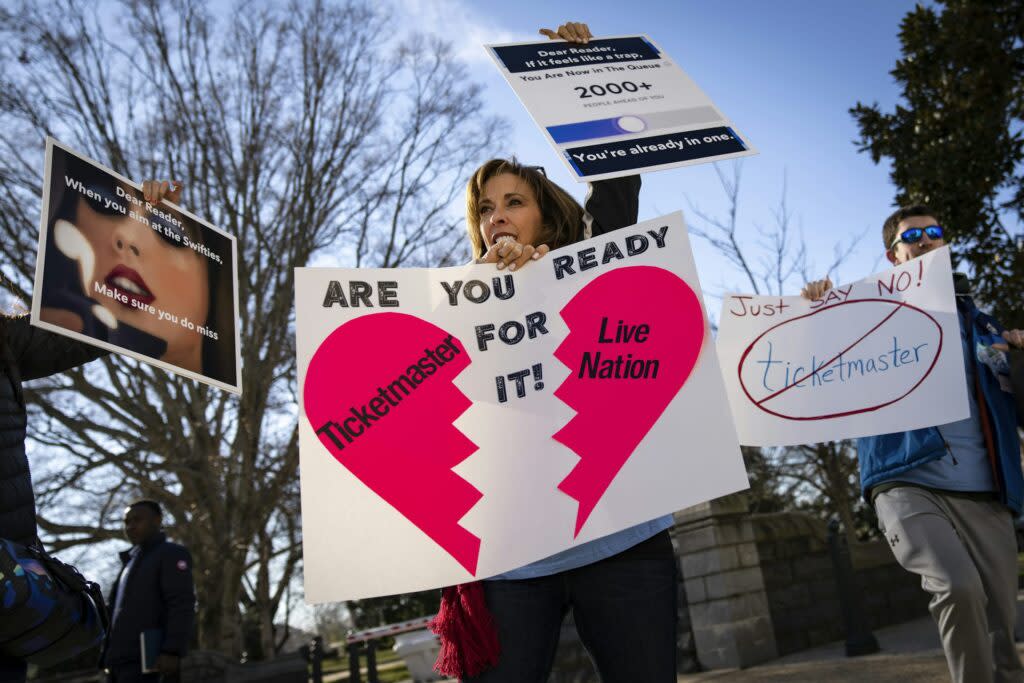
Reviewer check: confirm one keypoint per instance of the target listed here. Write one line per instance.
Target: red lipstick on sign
(129, 283)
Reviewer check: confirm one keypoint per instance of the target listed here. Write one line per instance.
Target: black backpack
(48, 611)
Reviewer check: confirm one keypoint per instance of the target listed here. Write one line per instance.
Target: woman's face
(149, 275)
(509, 210)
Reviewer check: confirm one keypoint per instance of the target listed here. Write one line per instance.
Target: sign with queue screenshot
(457, 423)
(617, 106)
(877, 356)
(153, 282)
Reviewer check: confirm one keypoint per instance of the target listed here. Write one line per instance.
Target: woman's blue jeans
(625, 612)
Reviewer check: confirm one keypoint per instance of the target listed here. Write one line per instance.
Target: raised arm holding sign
(612, 107)
(848, 362)
(122, 268)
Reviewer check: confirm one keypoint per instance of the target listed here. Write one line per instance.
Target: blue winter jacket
(885, 456)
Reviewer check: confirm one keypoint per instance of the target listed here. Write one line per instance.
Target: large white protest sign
(461, 422)
(876, 356)
(617, 106)
(153, 282)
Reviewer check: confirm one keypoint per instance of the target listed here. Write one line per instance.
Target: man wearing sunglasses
(946, 495)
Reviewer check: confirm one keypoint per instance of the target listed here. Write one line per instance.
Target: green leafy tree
(955, 140)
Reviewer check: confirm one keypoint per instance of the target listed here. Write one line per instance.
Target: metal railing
(360, 642)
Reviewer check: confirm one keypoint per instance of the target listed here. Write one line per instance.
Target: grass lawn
(384, 656)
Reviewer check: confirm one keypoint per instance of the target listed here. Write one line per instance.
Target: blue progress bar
(587, 130)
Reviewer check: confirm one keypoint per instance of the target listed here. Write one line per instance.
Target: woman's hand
(573, 31)
(512, 255)
(1013, 338)
(69, 320)
(155, 191)
(815, 290)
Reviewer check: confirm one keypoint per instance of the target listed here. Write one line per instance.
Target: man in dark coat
(153, 595)
(26, 353)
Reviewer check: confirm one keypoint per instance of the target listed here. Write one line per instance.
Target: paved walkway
(905, 668)
(911, 653)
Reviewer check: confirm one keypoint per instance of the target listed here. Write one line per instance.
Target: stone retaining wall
(762, 585)
(893, 595)
(801, 587)
(802, 593)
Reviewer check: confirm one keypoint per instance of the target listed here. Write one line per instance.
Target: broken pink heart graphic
(379, 394)
(634, 337)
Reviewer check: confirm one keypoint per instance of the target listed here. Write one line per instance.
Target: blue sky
(786, 72)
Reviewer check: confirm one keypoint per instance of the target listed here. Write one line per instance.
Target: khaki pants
(965, 552)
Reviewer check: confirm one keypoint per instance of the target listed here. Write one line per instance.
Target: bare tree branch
(814, 472)
(301, 131)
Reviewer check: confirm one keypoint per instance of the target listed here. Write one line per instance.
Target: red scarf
(469, 638)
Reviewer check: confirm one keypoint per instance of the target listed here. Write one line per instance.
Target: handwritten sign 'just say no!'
(876, 356)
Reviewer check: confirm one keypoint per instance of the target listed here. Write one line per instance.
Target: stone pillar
(725, 590)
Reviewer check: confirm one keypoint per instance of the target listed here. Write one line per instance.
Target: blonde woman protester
(621, 588)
